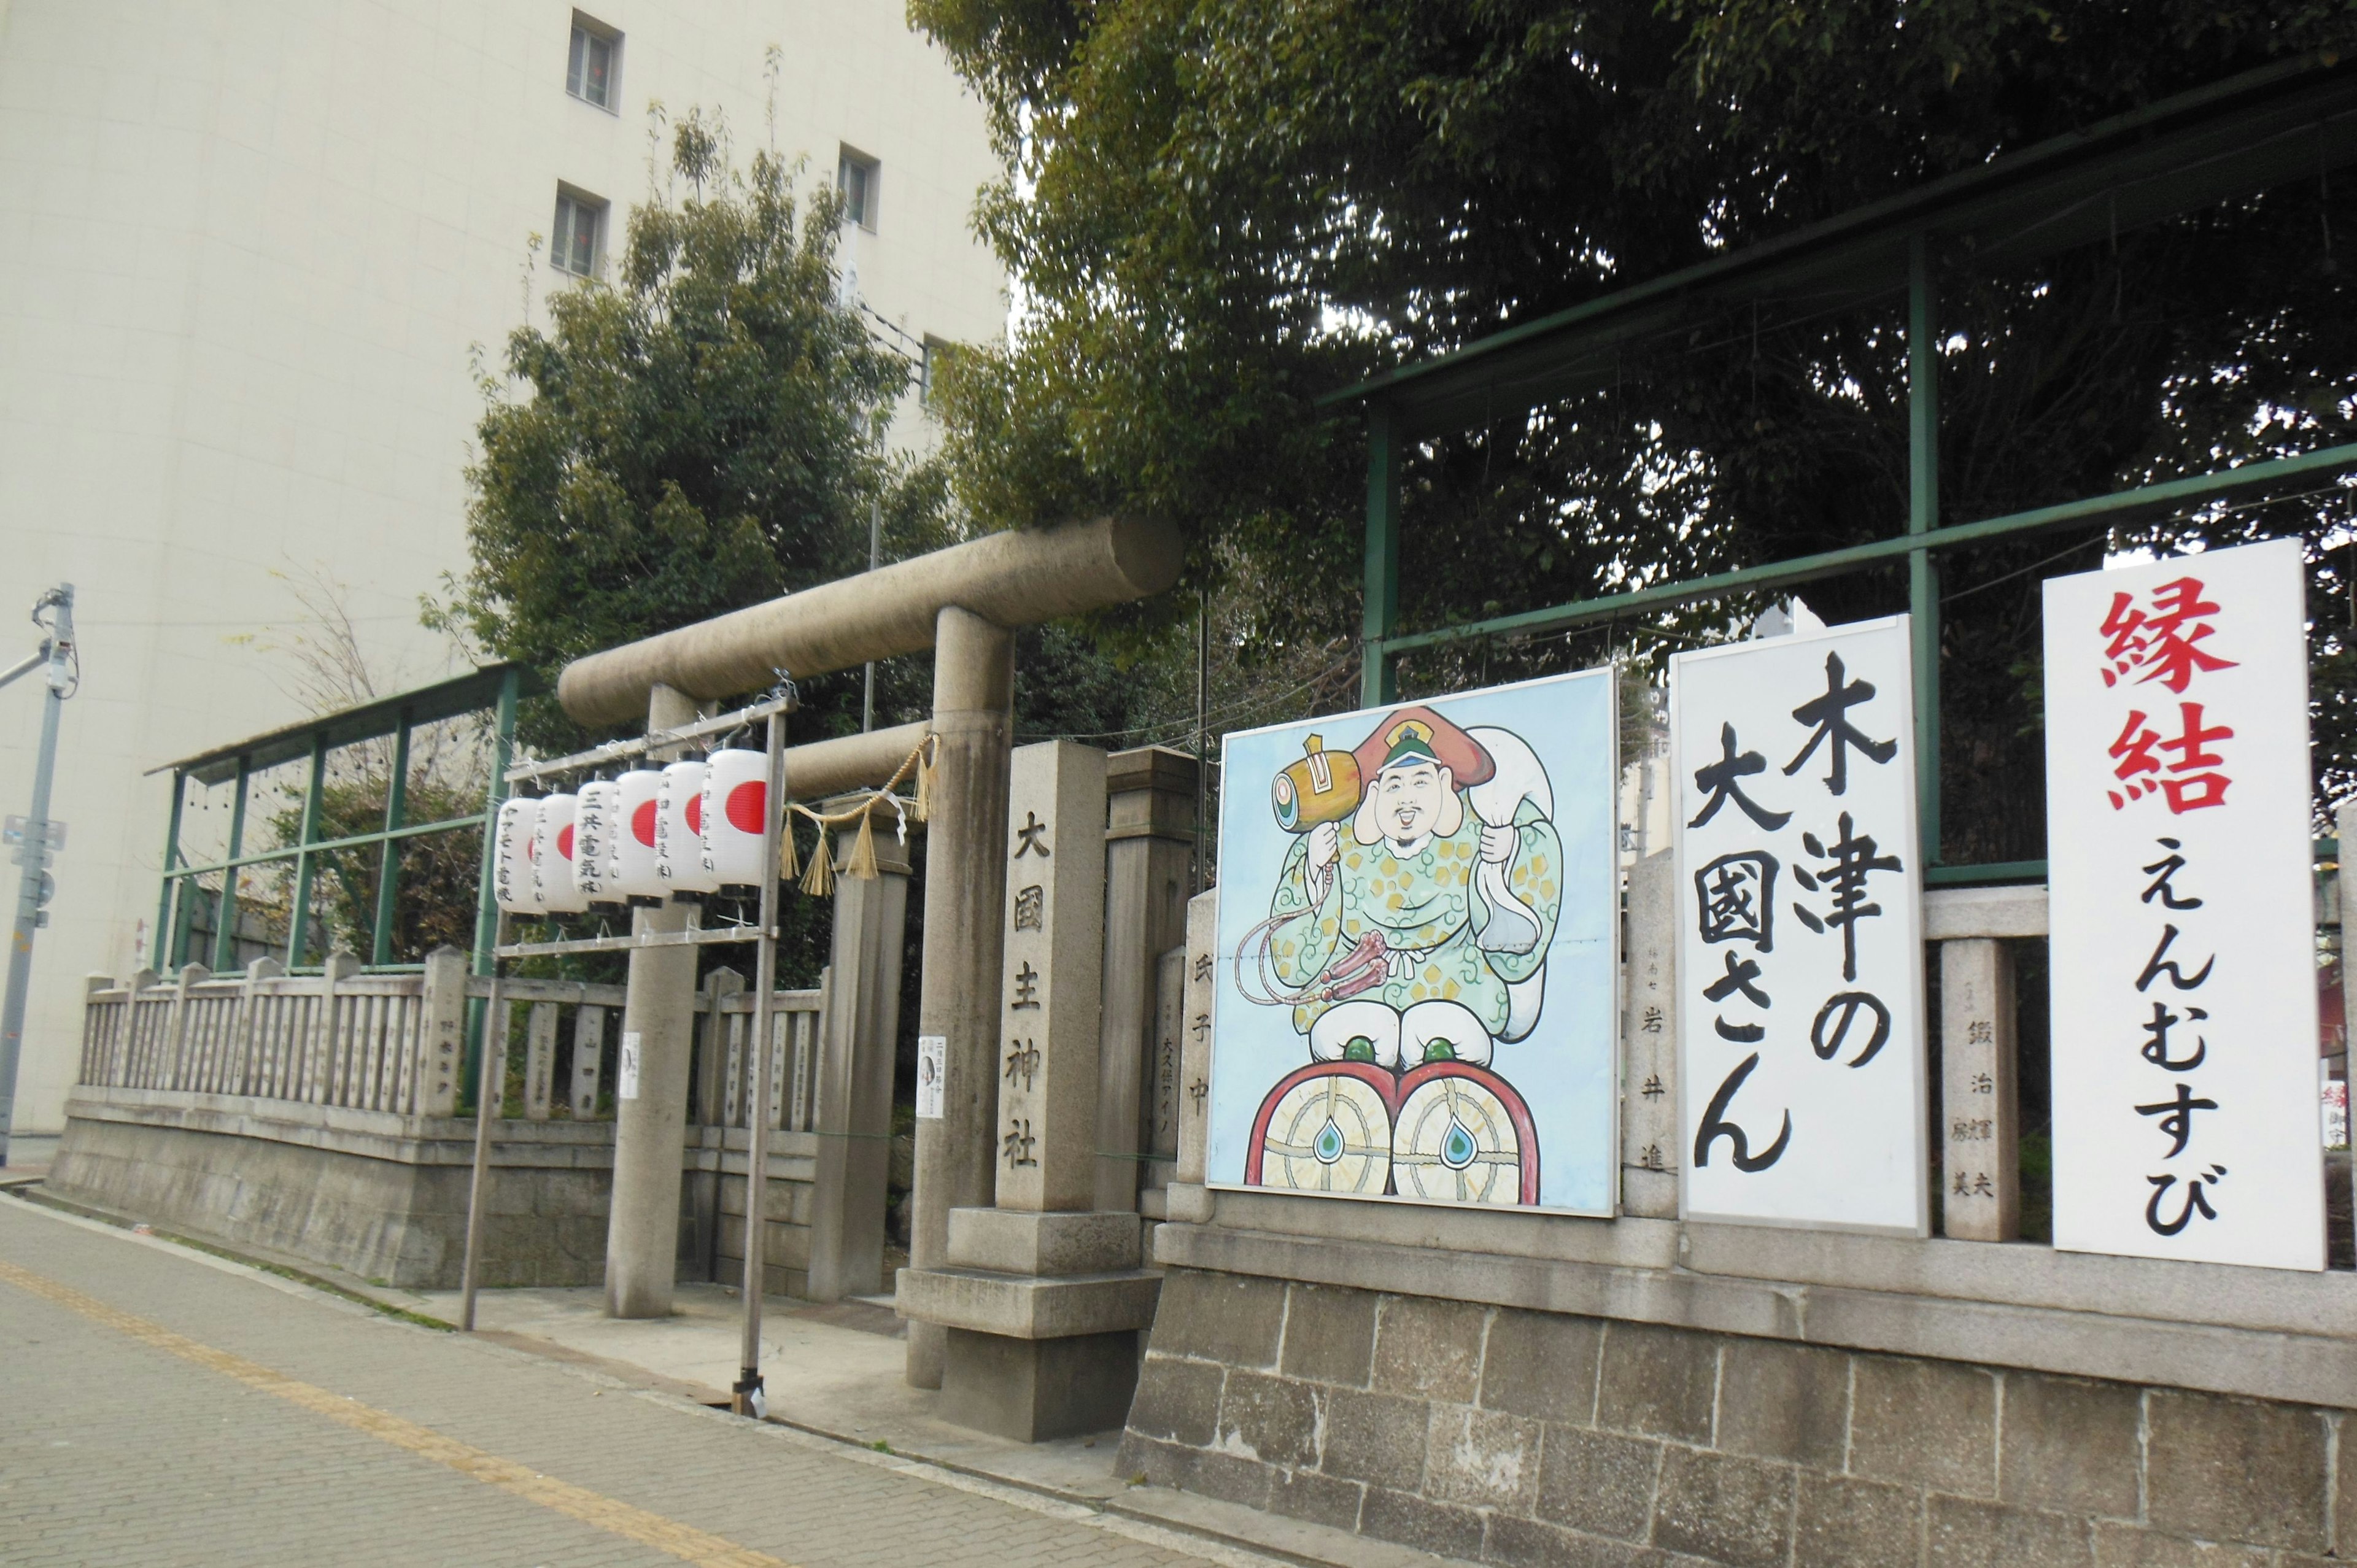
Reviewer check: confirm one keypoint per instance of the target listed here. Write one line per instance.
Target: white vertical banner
(2184, 957)
(1799, 969)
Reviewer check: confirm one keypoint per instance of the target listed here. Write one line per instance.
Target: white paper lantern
(735, 801)
(638, 813)
(511, 880)
(596, 815)
(551, 857)
(679, 838)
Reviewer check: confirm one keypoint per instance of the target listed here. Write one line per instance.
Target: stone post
(1164, 1090)
(539, 1061)
(725, 1069)
(1149, 841)
(250, 1043)
(650, 1093)
(853, 1117)
(1188, 1199)
(1649, 1156)
(175, 1072)
(1050, 1017)
(1979, 1104)
(1032, 1351)
(588, 1054)
(443, 1032)
(965, 889)
(323, 1077)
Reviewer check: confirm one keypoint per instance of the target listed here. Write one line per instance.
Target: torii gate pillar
(965, 886)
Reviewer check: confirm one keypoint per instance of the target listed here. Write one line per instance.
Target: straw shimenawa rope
(818, 880)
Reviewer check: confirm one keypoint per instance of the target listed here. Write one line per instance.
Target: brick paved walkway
(157, 1408)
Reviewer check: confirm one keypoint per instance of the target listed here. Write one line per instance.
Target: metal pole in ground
(749, 1397)
(33, 885)
(488, 1094)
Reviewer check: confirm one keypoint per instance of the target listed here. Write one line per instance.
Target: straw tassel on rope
(922, 808)
(818, 880)
(862, 864)
(789, 864)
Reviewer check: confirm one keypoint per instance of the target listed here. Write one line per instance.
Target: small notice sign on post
(2184, 982)
(1800, 971)
(626, 1067)
(932, 1066)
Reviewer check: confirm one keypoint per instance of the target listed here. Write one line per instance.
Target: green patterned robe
(1426, 904)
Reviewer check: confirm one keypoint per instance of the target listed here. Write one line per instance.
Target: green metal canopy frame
(2291, 121)
(497, 687)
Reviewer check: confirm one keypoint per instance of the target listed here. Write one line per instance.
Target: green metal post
(298, 916)
(486, 909)
(1378, 667)
(1922, 517)
(171, 856)
(225, 913)
(388, 875)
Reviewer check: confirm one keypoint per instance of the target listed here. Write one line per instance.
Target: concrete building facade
(256, 247)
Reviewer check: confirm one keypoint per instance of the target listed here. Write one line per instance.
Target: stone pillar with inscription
(1980, 1187)
(1187, 1198)
(1150, 846)
(1649, 1043)
(1040, 1298)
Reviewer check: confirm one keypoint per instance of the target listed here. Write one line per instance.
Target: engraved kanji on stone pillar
(1649, 1053)
(1195, 1033)
(1055, 953)
(1979, 1116)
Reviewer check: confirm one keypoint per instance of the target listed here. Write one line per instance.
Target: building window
(580, 233)
(859, 178)
(928, 368)
(589, 69)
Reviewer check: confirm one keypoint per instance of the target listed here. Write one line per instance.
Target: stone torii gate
(964, 604)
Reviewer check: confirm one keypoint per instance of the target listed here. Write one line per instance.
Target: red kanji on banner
(2164, 644)
(2143, 773)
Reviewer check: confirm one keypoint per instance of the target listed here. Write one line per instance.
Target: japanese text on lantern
(1797, 852)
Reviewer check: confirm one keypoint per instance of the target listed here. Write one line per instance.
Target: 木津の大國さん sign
(1799, 969)
(1419, 914)
(2181, 908)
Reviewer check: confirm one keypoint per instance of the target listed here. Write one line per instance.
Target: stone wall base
(1036, 1389)
(1520, 1437)
(384, 1197)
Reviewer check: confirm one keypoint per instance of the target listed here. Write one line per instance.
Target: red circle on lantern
(564, 841)
(643, 823)
(745, 805)
(696, 813)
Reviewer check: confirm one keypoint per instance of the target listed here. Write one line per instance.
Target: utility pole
(875, 554)
(37, 838)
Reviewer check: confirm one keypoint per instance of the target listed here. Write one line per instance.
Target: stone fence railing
(396, 1043)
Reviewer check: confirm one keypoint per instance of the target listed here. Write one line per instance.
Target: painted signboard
(2184, 958)
(1418, 915)
(1800, 971)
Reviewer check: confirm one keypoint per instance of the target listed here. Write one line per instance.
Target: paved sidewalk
(165, 1408)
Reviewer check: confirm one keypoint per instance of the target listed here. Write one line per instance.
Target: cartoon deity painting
(1426, 940)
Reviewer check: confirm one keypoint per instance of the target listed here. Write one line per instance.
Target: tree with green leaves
(1221, 210)
(702, 431)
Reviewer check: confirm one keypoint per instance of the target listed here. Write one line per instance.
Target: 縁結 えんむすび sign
(2180, 907)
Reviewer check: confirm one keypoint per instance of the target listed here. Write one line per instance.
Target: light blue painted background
(1566, 1068)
